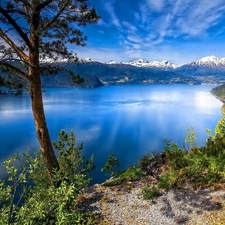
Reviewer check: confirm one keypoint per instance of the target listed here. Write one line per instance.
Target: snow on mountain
(50, 60)
(86, 60)
(112, 62)
(209, 61)
(143, 63)
(163, 64)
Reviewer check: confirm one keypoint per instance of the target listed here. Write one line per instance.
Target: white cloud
(149, 35)
(157, 5)
(188, 18)
(135, 39)
(109, 7)
(130, 28)
(199, 17)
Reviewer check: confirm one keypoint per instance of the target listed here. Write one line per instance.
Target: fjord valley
(117, 139)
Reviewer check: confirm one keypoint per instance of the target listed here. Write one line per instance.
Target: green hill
(219, 92)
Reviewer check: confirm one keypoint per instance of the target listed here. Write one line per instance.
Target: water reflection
(127, 120)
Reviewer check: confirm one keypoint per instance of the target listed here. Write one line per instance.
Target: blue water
(127, 120)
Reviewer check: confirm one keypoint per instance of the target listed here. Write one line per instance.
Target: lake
(127, 120)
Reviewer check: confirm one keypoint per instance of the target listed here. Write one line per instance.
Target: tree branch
(15, 11)
(16, 69)
(16, 26)
(56, 16)
(12, 45)
(43, 5)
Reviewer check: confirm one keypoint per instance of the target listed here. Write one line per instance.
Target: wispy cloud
(180, 18)
(199, 17)
(150, 27)
(109, 7)
(157, 5)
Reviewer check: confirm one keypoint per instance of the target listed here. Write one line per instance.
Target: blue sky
(180, 31)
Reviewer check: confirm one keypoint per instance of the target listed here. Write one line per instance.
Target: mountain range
(208, 61)
(207, 70)
(151, 64)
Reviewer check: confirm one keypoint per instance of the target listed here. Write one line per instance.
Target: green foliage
(168, 180)
(219, 92)
(220, 127)
(144, 162)
(111, 163)
(73, 167)
(52, 31)
(130, 174)
(191, 137)
(29, 196)
(176, 157)
(199, 166)
(149, 193)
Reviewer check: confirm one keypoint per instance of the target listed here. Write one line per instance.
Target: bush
(199, 166)
(176, 157)
(110, 166)
(130, 174)
(144, 162)
(29, 196)
(149, 193)
(168, 180)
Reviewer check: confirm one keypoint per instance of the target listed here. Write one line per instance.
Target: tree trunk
(36, 96)
(40, 123)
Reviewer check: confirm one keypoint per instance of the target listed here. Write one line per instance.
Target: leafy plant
(110, 166)
(29, 196)
(149, 193)
(191, 137)
(176, 157)
(199, 166)
(168, 180)
(130, 174)
(144, 162)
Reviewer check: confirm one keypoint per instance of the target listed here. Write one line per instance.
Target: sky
(180, 31)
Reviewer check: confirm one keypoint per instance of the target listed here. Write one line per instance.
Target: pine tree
(30, 32)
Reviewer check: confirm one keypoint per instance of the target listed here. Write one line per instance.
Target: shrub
(130, 174)
(176, 157)
(29, 196)
(110, 166)
(144, 162)
(168, 180)
(149, 193)
(200, 166)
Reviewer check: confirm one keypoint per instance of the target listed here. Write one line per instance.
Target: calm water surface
(127, 120)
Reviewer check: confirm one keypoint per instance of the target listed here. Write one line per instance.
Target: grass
(132, 173)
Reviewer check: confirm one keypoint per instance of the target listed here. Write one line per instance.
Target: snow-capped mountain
(86, 60)
(112, 62)
(209, 61)
(163, 64)
(209, 70)
(50, 60)
(143, 63)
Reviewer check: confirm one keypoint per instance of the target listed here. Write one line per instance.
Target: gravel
(124, 205)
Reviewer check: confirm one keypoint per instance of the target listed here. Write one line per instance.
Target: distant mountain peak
(144, 63)
(111, 62)
(209, 61)
(85, 60)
